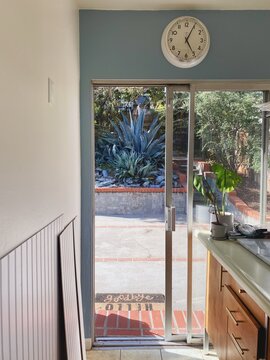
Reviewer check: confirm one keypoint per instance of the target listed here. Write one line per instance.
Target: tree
(229, 125)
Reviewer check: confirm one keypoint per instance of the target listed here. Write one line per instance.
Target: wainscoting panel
(29, 298)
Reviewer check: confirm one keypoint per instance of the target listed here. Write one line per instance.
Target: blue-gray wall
(126, 45)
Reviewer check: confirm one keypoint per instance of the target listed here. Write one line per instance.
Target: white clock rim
(170, 57)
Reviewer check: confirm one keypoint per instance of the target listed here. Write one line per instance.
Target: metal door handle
(170, 218)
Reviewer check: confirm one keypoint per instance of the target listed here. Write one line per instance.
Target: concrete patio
(130, 259)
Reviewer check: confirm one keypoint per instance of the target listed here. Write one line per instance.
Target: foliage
(109, 101)
(229, 125)
(204, 188)
(131, 135)
(129, 164)
(225, 181)
(131, 150)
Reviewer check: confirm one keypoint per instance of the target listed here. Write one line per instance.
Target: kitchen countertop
(251, 273)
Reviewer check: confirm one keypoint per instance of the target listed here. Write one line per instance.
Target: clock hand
(186, 39)
(188, 44)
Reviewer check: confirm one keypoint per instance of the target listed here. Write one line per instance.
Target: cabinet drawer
(257, 312)
(243, 329)
(231, 351)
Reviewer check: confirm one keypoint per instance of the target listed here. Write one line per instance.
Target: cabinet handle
(237, 345)
(221, 278)
(231, 312)
(242, 291)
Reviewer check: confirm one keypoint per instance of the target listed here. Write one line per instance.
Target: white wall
(39, 142)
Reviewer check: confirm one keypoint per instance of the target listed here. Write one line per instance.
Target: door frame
(194, 86)
(170, 89)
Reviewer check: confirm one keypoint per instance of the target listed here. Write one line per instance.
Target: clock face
(185, 42)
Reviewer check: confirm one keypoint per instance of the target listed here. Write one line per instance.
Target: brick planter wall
(243, 213)
(148, 201)
(136, 201)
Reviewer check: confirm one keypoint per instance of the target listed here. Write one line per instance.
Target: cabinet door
(216, 320)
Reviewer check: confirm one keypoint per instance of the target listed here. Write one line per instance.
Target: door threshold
(136, 342)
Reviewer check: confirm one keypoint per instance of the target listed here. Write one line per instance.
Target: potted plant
(225, 181)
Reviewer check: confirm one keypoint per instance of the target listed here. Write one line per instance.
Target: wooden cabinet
(234, 322)
(243, 329)
(215, 316)
(231, 351)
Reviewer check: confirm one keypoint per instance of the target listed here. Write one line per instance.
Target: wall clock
(185, 42)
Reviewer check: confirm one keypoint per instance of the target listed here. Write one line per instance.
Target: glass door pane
(228, 131)
(179, 201)
(129, 203)
(176, 207)
(228, 128)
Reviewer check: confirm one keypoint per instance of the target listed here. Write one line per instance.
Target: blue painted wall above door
(126, 45)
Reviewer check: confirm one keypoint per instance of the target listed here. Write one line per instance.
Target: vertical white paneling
(24, 302)
(50, 290)
(56, 229)
(1, 334)
(34, 296)
(18, 257)
(39, 295)
(45, 294)
(43, 318)
(46, 261)
(29, 298)
(1, 317)
(12, 306)
(5, 308)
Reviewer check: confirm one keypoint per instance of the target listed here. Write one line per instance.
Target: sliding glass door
(151, 286)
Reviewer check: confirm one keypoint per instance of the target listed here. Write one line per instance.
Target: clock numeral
(199, 47)
(174, 32)
(179, 26)
(178, 52)
(193, 53)
(173, 47)
(199, 31)
(186, 24)
(171, 39)
(186, 55)
(201, 40)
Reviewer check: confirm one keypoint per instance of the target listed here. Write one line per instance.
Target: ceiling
(174, 4)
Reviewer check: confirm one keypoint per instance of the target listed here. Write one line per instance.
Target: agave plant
(131, 135)
(129, 164)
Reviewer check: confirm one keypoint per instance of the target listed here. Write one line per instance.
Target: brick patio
(143, 323)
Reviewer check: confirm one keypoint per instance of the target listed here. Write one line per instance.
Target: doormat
(129, 301)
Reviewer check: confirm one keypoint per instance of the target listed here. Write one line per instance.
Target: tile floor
(183, 353)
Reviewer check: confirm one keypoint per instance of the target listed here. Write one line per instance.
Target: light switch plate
(51, 90)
